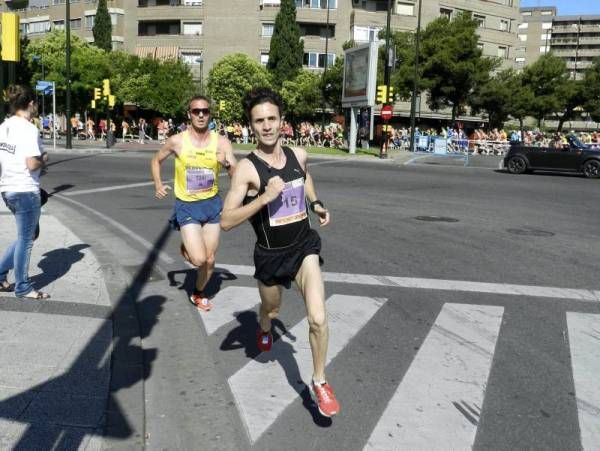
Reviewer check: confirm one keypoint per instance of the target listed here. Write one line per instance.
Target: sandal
(36, 295)
(6, 287)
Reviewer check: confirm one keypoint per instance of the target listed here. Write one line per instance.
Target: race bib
(198, 180)
(290, 206)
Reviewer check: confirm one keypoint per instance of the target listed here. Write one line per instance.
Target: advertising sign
(360, 76)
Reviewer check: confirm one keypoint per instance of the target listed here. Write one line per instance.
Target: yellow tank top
(197, 170)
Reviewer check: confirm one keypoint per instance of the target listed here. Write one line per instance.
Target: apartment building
(576, 39)
(201, 32)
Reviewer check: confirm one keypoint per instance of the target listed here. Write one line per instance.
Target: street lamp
(413, 100)
(41, 60)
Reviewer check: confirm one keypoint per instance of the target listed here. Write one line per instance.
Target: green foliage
(573, 97)
(519, 103)
(403, 76)
(302, 95)
(547, 78)
(495, 96)
(102, 27)
(591, 85)
(452, 64)
(332, 84)
(231, 78)
(287, 49)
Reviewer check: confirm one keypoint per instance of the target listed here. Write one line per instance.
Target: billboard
(11, 45)
(360, 75)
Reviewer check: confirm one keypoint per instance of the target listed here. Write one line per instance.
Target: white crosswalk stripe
(437, 405)
(227, 303)
(584, 342)
(266, 386)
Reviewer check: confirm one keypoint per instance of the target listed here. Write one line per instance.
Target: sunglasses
(197, 111)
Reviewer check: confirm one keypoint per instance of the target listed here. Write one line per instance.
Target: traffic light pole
(386, 78)
(69, 144)
(413, 101)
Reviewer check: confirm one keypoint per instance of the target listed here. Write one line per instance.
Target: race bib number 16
(290, 206)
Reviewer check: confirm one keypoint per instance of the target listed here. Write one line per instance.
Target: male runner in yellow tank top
(199, 155)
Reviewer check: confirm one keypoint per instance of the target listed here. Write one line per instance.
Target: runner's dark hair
(198, 97)
(19, 97)
(261, 95)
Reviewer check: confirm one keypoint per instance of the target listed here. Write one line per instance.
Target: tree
(546, 78)
(302, 95)
(286, 53)
(573, 97)
(102, 30)
(331, 84)
(591, 84)
(520, 100)
(403, 76)
(453, 65)
(495, 96)
(231, 78)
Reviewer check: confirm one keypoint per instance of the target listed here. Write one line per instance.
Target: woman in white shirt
(22, 159)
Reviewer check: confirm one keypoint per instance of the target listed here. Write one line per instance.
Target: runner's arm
(229, 161)
(234, 213)
(164, 152)
(311, 195)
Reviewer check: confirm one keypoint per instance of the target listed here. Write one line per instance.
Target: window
(365, 34)
(524, 26)
(526, 13)
(316, 4)
(480, 20)
(545, 36)
(520, 59)
(264, 58)
(59, 24)
(267, 30)
(546, 25)
(405, 9)
(547, 13)
(39, 27)
(316, 60)
(76, 23)
(192, 2)
(192, 28)
(158, 28)
(502, 52)
(504, 25)
(89, 22)
(522, 37)
(543, 49)
(269, 2)
(447, 13)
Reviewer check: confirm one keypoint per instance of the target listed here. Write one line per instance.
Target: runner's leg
(270, 301)
(310, 284)
(192, 237)
(210, 237)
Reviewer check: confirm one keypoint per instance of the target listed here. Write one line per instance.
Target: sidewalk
(55, 363)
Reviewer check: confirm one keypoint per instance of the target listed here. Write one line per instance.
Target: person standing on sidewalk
(22, 159)
(199, 155)
(270, 188)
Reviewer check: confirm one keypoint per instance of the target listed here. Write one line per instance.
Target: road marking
(131, 234)
(584, 342)
(107, 188)
(442, 284)
(266, 386)
(227, 303)
(438, 402)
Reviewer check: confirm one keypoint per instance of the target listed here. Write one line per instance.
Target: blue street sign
(44, 86)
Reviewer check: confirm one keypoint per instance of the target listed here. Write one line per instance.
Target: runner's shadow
(244, 336)
(56, 263)
(189, 281)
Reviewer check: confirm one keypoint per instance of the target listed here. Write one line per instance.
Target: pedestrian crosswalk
(438, 401)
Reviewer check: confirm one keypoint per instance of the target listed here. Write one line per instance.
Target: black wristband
(316, 202)
(226, 164)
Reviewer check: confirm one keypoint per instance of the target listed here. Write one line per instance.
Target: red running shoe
(325, 399)
(200, 301)
(264, 340)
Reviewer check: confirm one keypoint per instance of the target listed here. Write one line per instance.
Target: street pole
(53, 115)
(413, 101)
(325, 71)
(69, 145)
(386, 77)
(43, 92)
(577, 48)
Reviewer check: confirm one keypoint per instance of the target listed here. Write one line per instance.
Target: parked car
(572, 157)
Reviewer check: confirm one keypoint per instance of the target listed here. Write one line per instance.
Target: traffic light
(221, 105)
(93, 104)
(111, 101)
(106, 87)
(97, 94)
(382, 94)
(391, 95)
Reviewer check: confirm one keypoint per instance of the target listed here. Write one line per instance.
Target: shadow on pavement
(61, 412)
(56, 263)
(189, 281)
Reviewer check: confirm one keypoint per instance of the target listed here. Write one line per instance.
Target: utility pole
(69, 144)
(386, 77)
(325, 70)
(413, 102)
(577, 48)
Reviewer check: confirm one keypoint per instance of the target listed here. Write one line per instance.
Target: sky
(568, 7)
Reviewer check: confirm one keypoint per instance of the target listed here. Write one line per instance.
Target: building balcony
(316, 15)
(170, 12)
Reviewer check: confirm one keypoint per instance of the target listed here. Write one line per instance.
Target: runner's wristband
(226, 164)
(316, 202)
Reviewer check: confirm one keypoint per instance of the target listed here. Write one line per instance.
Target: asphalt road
(425, 223)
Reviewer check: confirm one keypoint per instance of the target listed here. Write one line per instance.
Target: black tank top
(285, 220)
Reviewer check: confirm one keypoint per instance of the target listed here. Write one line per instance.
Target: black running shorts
(280, 266)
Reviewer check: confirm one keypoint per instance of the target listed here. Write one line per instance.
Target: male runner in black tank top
(271, 188)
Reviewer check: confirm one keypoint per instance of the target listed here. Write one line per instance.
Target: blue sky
(567, 7)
